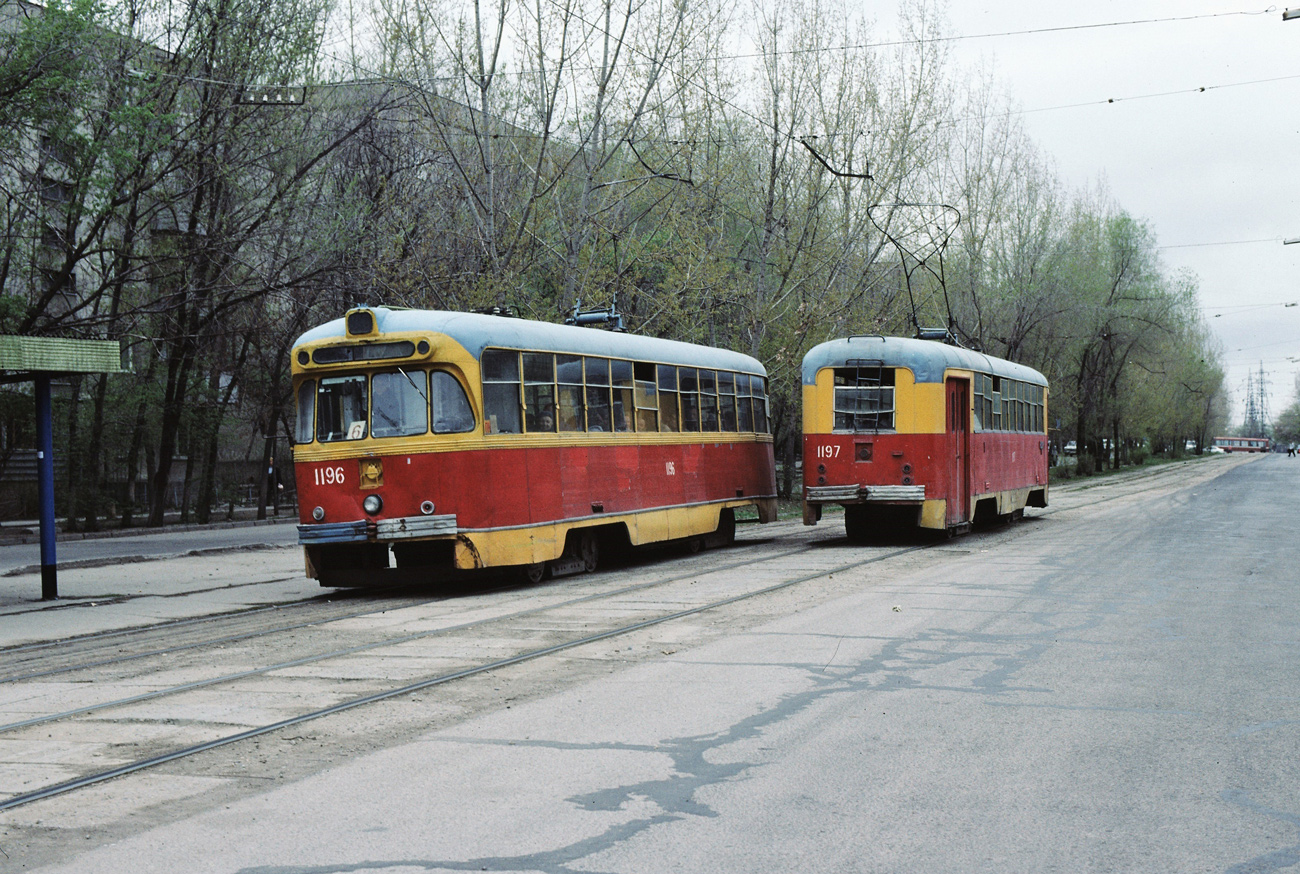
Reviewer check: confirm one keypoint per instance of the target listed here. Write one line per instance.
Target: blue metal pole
(45, 486)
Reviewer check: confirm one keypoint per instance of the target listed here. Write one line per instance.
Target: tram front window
(400, 404)
(451, 410)
(302, 433)
(341, 408)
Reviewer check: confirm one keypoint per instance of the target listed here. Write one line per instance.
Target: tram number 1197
(329, 476)
(828, 451)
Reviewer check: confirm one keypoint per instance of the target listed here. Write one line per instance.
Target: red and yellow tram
(917, 432)
(461, 440)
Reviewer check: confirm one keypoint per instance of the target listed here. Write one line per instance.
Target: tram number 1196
(828, 451)
(329, 476)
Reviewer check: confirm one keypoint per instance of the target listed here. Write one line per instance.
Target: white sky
(1212, 167)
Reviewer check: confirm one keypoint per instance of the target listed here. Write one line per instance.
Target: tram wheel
(534, 573)
(589, 550)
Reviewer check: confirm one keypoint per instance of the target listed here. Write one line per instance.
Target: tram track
(317, 657)
(522, 626)
(430, 682)
(465, 648)
(71, 649)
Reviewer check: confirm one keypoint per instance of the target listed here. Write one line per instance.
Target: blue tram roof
(476, 332)
(927, 359)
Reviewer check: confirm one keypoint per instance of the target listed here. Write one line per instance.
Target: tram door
(958, 397)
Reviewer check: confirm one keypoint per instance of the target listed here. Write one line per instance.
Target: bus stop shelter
(40, 360)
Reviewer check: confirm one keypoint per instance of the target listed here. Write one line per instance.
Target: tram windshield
(341, 408)
(400, 405)
(396, 403)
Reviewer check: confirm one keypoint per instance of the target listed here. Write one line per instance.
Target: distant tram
(904, 432)
(1243, 444)
(455, 440)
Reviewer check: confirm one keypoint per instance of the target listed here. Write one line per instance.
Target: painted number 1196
(329, 476)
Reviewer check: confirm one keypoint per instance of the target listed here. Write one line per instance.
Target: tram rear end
(917, 434)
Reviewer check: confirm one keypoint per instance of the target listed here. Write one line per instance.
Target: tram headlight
(372, 504)
(318, 513)
(426, 508)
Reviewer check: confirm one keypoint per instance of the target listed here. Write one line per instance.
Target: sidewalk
(29, 530)
(136, 578)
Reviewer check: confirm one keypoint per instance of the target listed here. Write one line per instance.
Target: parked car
(1071, 448)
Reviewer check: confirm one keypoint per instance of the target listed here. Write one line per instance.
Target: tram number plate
(828, 451)
(329, 476)
(670, 468)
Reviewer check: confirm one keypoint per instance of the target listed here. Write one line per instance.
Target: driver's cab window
(451, 410)
(399, 405)
(341, 408)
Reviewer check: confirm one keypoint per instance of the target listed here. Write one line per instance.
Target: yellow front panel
(918, 409)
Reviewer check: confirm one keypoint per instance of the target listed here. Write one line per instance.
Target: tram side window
(864, 398)
(341, 408)
(572, 416)
(620, 375)
(451, 410)
(688, 383)
(647, 403)
(501, 406)
(598, 417)
(726, 401)
(995, 404)
(667, 398)
(539, 391)
(986, 403)
(399, 404)
(744, 404)
(302, 432)
(708, 400)
(760, 404)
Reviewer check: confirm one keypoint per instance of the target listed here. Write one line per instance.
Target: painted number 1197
(828, 451)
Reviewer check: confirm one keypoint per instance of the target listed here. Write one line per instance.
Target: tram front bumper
(382, 531)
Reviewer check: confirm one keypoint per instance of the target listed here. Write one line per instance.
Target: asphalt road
(1112, 686)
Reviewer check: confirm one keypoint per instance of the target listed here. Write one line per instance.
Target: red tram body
(917, 432)
(469, 441)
